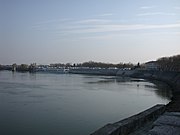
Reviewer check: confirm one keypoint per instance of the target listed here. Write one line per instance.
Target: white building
(151, 65)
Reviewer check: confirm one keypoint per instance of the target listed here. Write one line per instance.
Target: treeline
(1, 67)
(164, 64)
(21, 68)
(5, 67)
(92, 64)
(169, 63)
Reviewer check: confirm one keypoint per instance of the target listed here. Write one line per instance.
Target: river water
(69, 104)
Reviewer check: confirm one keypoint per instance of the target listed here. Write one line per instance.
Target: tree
(23, 68)
(169, 63)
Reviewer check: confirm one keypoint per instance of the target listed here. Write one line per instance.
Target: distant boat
(53, 70)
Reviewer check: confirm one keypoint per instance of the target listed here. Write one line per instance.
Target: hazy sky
(49, 31)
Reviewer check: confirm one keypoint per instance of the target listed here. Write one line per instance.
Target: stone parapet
(129, 125)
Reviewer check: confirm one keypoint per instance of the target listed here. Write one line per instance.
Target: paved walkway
(167, 124)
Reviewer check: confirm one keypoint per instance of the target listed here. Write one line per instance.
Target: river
(71, 104)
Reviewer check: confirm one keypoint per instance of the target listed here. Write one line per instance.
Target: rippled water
(68, 104)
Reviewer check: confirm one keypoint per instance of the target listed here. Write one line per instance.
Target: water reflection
(161, 89)
(32, 76)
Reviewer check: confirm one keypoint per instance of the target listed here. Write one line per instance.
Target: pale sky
(61, 31)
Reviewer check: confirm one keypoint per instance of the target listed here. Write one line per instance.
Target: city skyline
(78, 31)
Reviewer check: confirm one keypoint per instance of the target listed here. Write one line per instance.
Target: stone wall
(128, 125)
(94, 71)
(171, 78)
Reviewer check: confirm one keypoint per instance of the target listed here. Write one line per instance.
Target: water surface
(68, 104)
